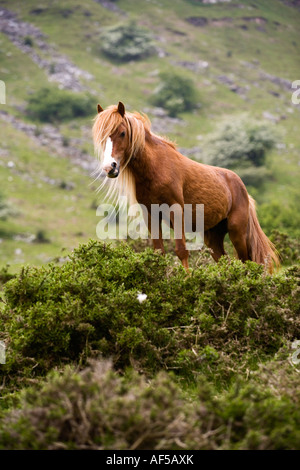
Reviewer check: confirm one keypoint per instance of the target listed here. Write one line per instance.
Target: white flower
(141, 297)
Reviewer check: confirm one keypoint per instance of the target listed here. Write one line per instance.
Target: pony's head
(118, 137)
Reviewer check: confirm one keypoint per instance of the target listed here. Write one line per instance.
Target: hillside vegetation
(239, 60)
(111, 345)
(204, 361)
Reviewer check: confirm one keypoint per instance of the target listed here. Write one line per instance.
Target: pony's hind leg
(238, 218)
(237, 230)
(214, 239)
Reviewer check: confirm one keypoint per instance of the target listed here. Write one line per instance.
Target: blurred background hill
(214, 76)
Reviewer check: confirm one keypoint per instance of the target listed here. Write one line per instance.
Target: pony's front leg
(182, 252)
(158, 243)
(180, 243)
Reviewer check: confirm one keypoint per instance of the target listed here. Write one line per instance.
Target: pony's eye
(122, 134)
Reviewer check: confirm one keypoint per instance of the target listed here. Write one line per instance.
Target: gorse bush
(175, 94)
(216, 321)
(204, 362)
(51, 105)
(127, 42)
(5, 275)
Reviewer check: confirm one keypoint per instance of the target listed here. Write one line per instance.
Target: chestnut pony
(149, 170)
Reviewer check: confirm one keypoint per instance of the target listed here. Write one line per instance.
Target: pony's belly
(215, 206)
(211, 218)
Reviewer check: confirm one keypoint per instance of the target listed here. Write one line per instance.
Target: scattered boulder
(255, 19)
(195, 67)
(270, 117)
(197, 20)
(211, 2)
(233, 86)
(192, 152)
(162, 123)
(281, 82)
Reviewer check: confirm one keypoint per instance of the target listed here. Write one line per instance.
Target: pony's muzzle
(112, 170)
(113, 173)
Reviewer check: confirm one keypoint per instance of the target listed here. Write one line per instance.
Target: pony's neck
(142, 164)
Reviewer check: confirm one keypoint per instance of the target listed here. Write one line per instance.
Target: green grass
(77, 35)
(66, 216)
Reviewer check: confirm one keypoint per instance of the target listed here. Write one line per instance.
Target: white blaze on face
(108, 160)
(108, 148)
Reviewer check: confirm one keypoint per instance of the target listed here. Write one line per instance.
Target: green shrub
(5, 275)
(28, 41)
(127, 42)
(175, 93)
(282, 216)
(98, 409)
(263, 414)
(225, 332)
(288, 248)
(226, 315)
(239, 143)
(51, 105)
(41, 237)
(254, 176)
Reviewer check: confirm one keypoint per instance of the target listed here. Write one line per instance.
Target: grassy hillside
(204, 361)
(240, 57)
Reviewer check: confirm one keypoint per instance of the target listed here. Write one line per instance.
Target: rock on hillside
(31, 41)
(50, 137)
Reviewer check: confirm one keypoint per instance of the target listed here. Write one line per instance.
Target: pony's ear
(99, 108)
(121, 108)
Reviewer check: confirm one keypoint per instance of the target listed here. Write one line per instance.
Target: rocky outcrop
(31, 41)
(50, 137)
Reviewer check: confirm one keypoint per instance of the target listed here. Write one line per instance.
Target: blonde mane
(105, 124)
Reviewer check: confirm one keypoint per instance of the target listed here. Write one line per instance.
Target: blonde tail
(260, 248)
